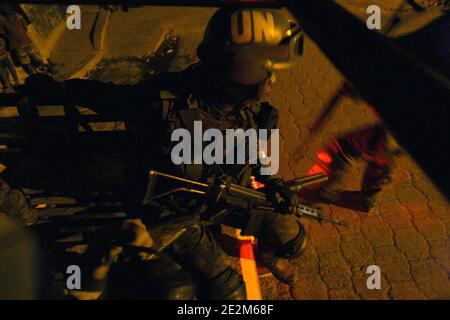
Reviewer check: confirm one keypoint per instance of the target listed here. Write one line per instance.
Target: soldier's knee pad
(283, 229)
(228, 285)
(295, 246)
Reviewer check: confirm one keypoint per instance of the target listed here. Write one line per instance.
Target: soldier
(371, 144)
(240, 51)
(15, 27)
(6, 65)
(14, 204)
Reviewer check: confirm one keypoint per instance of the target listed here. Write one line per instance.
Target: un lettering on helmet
(255, 25)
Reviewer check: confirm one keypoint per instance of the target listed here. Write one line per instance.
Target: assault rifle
(228, 194)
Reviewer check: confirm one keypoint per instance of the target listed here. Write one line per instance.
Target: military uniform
(222, 91)
(155, 117)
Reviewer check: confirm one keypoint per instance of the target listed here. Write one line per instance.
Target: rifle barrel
(299, 183)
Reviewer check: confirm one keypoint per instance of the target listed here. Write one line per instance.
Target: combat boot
(375, 177)
(281, 269)
(278, 261)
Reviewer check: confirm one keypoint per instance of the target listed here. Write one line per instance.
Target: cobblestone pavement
(407, 234)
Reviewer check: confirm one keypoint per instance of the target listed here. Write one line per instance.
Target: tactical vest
(181, 112)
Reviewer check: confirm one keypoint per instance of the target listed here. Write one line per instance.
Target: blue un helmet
(249, 44)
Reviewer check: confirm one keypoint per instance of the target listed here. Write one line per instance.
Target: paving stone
(431, 228)
(406, 290)
(440, 251)
(360, 284)
(393, 264)
(324, 237)
(397, 218)
(343, 294)
(411, 243)
(431, 279)
(334, 270)
(310, 287)
(308, 262)
(376, 231)
(358, 251)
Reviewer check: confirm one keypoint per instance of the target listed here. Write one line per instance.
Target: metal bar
(62, 119)
(177, 190)
(169, 176)
(183, 3)
(302, 182)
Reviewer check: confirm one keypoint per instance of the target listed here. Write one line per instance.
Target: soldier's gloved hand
(132, 237)
(283, 199)
(42, 87)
